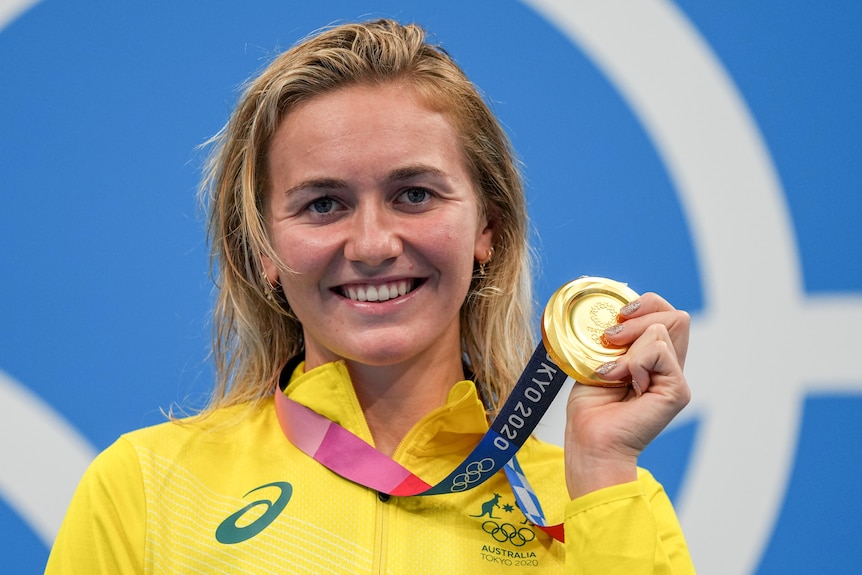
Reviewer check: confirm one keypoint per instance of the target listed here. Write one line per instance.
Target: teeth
(383, 292)
(371, 293)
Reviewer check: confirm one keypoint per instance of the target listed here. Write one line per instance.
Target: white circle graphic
(43, 458)
(11, 9)
(749, 401)
(45, 445)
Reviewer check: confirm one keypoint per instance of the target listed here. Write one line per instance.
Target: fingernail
(637, 387)
(606, 368)
(630, 307)
(614, 329)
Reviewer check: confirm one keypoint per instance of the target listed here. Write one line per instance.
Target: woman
(369, 234)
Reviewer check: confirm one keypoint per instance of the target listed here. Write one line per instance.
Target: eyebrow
(316, 184)
(410, 172)
(398, 175)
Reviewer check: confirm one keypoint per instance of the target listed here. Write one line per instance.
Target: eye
(415, 196)
(322, 205)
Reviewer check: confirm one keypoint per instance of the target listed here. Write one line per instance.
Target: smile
(380, 292)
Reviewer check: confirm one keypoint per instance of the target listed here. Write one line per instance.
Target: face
(372, 208)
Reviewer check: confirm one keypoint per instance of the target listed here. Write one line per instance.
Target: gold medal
(574, 322)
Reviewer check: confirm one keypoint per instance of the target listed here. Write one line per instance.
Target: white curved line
(43, 459)
(11, 9)
(828, 339)
(43, 456)
(703, 132)
(744, 366)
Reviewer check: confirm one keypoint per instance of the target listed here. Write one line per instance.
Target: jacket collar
(454, 427)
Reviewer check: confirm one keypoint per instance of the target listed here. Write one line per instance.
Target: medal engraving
(574, 323)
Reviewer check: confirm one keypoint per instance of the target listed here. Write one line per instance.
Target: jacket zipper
(381, 534)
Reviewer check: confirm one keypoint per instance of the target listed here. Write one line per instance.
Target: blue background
(104, 288)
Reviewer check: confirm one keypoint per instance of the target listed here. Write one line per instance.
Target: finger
(653, 364)
(592, 395)
(677, 323)
(652, 353)
(624, 333)
(648, 303)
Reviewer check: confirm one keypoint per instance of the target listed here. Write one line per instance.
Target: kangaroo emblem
(488, 507)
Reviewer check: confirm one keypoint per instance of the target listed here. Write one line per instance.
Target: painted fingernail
(606, 368)
(630, 307)
(614, 329)
(637, 387)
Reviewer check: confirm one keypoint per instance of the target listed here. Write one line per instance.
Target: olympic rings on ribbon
(503, 532)
(472, 473)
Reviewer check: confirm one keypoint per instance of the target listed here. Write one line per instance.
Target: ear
(270, 269)
(484, 240)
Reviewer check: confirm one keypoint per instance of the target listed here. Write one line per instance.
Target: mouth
(378, 292)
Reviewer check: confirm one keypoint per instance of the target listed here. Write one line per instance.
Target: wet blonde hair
(254, 335)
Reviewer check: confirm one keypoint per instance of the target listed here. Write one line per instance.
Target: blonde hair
(255, 335)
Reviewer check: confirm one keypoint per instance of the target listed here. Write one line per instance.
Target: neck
(395, 398)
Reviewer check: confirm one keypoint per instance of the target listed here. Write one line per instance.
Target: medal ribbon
(353, 458)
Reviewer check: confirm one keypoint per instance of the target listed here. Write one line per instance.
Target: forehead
(361, 123)
(397, 100)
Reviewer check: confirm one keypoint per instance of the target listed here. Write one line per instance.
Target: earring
(268, 289)
(271, 295)
(487, 261)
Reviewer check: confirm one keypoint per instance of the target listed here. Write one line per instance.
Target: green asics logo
(228, 532)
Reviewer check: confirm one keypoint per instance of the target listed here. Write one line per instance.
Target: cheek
(303, 252)
(453, 244)
(307, 257)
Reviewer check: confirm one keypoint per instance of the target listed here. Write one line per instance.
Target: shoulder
(139, 464)
(173, 437)
(204, 434)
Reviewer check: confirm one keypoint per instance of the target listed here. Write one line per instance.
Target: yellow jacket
(229, 494)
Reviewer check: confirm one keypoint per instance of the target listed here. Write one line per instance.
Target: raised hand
(607, 428)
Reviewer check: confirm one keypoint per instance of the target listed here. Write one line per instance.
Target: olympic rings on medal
(503, 532)
(472, 473)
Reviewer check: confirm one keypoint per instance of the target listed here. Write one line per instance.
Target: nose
(374, 236)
